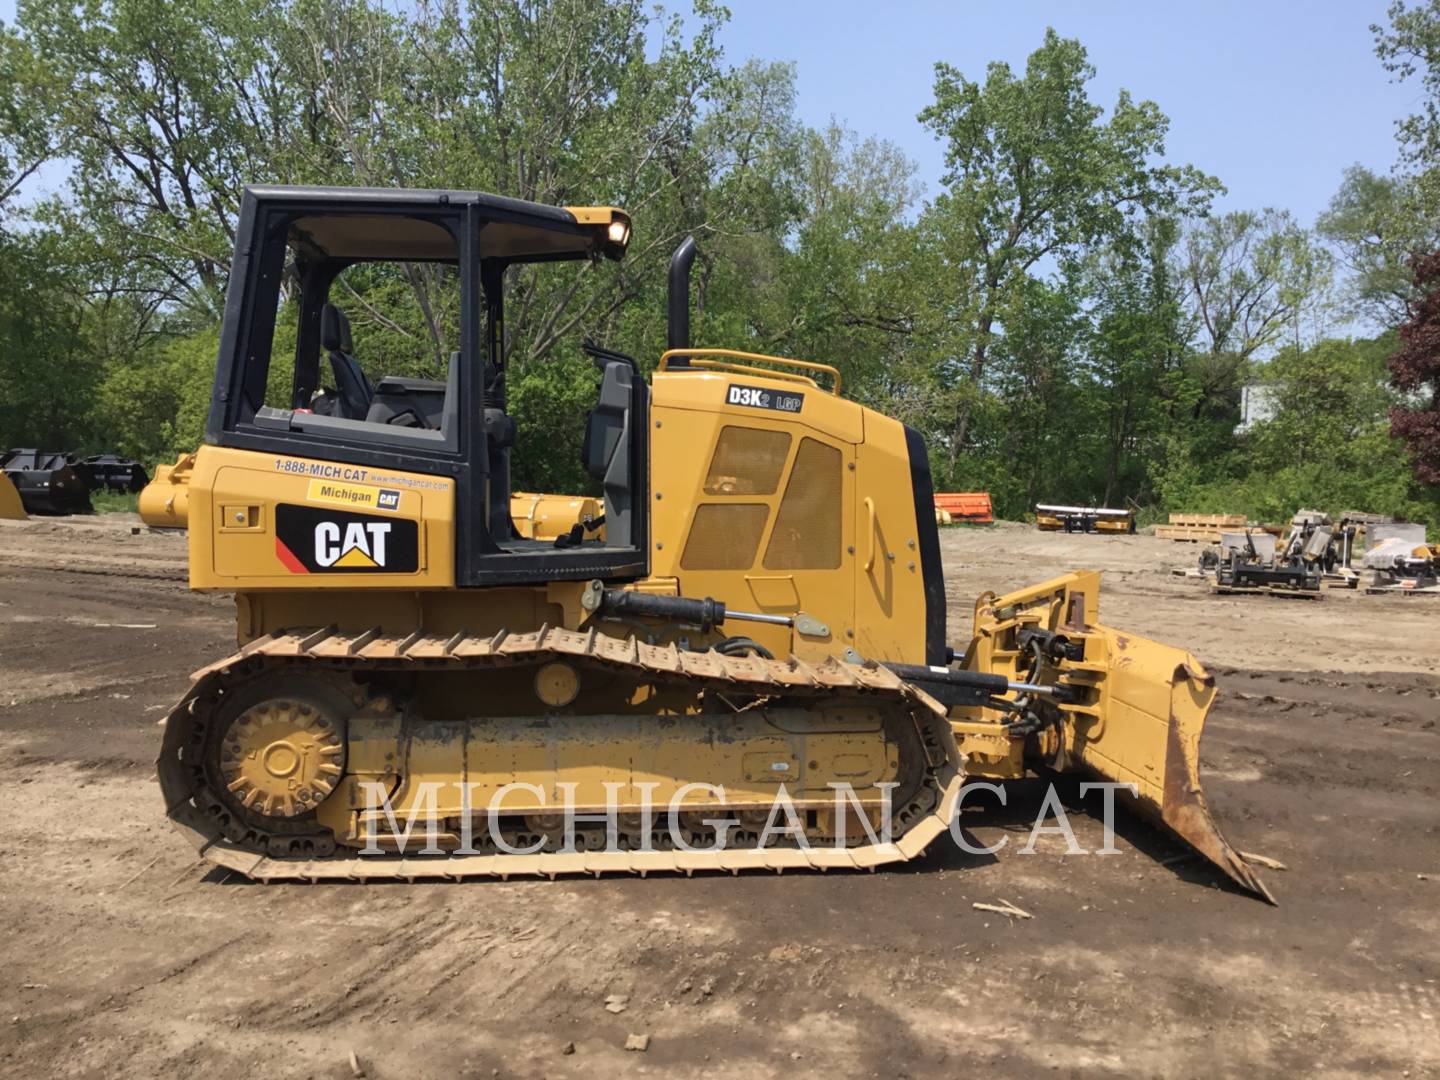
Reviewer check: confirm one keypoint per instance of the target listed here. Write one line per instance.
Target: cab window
(363, 347)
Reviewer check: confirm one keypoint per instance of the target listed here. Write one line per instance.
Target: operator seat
(353, 388)
(609, 429)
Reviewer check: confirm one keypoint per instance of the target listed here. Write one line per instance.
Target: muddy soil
(124, 956)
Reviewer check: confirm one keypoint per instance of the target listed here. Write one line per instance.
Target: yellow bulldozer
(754, 619)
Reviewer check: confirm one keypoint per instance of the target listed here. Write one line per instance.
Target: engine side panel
(264, 521)
(781, 498)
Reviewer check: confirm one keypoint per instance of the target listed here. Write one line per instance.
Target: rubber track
(330, 649)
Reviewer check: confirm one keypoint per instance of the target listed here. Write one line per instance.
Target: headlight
(619, 232)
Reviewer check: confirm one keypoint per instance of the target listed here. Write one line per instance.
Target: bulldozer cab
(308, 365)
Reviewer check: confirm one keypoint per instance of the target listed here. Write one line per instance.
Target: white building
(1257, 403)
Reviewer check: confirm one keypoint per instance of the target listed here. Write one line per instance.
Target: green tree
(1033, 432)
(1324, 398)
(1409, 48)
(26, 139)
(1326, 446)
(48, 375)
(1136, 354)
(1251, 278)
(1377, 223)
(165, 111)
(1036, 174)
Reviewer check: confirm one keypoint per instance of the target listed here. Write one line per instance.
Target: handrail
(805, 365)
(870, 544)
(744, 369)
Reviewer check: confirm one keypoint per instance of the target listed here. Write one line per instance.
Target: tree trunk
(977, 368)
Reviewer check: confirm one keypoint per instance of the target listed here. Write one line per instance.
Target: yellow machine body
(846, 557)
(785, 515)
(165, 501)
(810, 517)
(10, 504)
(1140, 720)
(544, 517)
(385, 685)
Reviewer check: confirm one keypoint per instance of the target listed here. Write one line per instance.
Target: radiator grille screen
(724, 536)
(807, 527)
(747, 461)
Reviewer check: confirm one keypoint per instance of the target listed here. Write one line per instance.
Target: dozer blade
(1139, 707)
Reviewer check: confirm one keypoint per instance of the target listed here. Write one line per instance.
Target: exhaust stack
(679, 295)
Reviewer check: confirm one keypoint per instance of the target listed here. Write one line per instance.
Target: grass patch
(110, 502)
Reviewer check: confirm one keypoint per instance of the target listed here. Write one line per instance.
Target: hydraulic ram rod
(760, 616)
(971, 686)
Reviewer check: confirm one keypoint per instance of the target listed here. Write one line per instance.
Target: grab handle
(870, 527)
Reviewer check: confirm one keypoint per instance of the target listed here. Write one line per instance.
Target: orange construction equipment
(971, 506)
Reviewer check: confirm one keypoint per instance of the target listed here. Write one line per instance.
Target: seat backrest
(606, 450)
(354, 388)
(604, 429)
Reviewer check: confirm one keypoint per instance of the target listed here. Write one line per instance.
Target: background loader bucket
(47, 482)
(10, 505)
(1140, 713)
(117, 474)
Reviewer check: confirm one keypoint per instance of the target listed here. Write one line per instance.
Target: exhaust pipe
(679, 296)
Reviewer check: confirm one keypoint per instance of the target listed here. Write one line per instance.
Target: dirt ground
(124, 956)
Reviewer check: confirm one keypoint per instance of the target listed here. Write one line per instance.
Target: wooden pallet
(1190, 534)
(1267, 590)
(1199, 528)
(1207, 521)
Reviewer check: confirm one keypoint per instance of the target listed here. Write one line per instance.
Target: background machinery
(968, 507)
(1315, 550)
(763, 612)
(61, 483)
(1084, 519)
(48, 483)
(111, 473)
(1400, 560)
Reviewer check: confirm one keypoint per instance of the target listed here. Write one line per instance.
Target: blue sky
(1275, 99)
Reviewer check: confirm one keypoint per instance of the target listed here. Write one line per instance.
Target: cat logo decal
(309, 540)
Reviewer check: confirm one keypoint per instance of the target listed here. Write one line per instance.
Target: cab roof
(332, 221)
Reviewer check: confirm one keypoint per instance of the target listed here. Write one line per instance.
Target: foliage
(1416, 371)
(1377, 223)
(1035, 173)
(48, 375)
(1327, 445)
(1062, 320)
(113, 502)
(1410, 48)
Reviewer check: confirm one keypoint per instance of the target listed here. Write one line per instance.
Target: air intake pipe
(679, 295)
